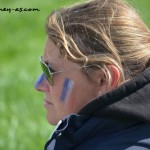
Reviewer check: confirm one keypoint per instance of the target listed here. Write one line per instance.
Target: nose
(42, 84)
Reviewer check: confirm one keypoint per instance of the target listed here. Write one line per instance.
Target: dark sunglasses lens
(47, 73)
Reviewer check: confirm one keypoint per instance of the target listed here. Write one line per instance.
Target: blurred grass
(22, 116)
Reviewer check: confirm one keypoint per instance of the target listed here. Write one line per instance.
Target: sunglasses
(48, 71)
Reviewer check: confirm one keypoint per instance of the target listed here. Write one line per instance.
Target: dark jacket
(117, 120)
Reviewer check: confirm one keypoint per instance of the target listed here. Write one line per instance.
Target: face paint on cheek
(67, 89)
(39, 80)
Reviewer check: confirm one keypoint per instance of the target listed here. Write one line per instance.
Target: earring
(99, 93)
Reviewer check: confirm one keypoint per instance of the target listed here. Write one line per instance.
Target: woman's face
(71, 89)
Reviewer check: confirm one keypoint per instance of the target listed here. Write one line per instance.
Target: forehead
(52, 56)
(51, 51)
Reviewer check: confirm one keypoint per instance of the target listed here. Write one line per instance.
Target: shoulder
(136, 137)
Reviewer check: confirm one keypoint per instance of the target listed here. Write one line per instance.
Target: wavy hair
(102, 32)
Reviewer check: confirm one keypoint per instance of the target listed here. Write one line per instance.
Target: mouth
(47, 103)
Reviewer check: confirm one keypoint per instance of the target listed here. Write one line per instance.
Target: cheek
(62, 92)
(63, 99)
(67, 89)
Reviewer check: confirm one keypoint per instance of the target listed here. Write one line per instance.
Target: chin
(51, 120)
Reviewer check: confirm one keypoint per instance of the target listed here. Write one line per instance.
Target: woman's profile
(96, 77)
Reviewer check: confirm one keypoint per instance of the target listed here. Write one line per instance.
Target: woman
(95, 77)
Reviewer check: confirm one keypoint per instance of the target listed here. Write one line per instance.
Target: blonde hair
(102, 32)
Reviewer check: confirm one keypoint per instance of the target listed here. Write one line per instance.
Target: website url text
(21, 9)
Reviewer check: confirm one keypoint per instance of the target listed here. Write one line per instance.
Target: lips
(47, 103)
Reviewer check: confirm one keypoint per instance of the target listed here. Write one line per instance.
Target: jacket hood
(130, 101)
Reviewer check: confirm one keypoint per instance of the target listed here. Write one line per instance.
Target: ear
(99, 77)
(115, 75)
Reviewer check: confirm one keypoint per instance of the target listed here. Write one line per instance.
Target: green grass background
(22, 35)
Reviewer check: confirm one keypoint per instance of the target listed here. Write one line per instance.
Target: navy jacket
(117, 120)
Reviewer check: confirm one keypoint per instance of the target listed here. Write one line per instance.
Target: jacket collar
(131, 100)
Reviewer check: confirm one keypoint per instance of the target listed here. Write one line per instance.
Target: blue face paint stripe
(70, 88)
(65, 89)
(39, 80)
